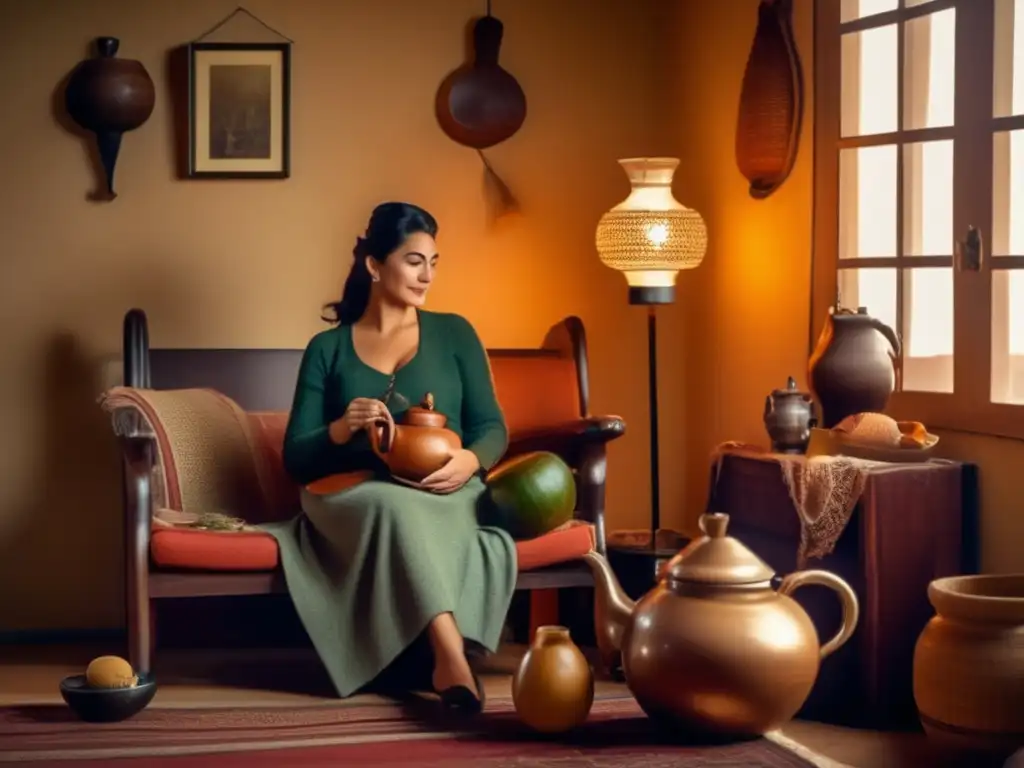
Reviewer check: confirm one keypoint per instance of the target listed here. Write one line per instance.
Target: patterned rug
(378, 735)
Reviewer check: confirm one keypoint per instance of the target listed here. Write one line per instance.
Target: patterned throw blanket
(211, 469)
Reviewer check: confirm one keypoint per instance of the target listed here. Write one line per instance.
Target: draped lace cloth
(824, 490)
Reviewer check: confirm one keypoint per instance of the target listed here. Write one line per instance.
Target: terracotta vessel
(109, 96)
(418, 446)
(853, 366)
(714, 648)
(969, 665)
(553, 688)
(789, 418)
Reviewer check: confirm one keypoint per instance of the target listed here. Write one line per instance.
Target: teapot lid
(426, 404)
(790, 390)
(424, 415)
(718, 559)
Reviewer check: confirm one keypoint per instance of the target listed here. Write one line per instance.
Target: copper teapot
(714, 647)
(418, 446)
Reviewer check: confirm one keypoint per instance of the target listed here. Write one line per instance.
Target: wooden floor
(258, 678)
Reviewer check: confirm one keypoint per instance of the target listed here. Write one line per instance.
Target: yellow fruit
(110, 672)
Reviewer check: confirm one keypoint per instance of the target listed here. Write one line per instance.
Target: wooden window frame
(969, 407)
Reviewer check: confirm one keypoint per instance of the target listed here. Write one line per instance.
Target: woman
(373, 567)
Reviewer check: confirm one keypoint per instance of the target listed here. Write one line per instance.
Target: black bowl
(106, 705)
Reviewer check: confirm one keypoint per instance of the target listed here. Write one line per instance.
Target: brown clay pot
(553, 688)
(109, 96)
(852, 369)
(481, 104)
(969, 665)
(418, 446)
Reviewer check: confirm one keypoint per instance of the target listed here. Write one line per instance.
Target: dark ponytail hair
(391, 224)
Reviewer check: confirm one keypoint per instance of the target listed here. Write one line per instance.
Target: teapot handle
(382, 433)
(847, 597)
(890, 336)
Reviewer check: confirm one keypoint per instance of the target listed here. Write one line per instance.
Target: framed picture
(238, 113)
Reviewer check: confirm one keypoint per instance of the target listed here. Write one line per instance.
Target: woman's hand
(360, 414)
(453, 475)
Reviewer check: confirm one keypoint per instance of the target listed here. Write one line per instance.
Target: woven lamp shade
(650, 236)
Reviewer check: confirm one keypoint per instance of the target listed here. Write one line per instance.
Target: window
(919, 166)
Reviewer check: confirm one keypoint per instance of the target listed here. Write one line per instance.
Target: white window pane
(928, 330)
(1015, 321)
(929, 57)
(851, 10)
(1009, 58)
(1008, 336)
(870, 68)
(874, 289)
(867, 202)
(928, 198)
(1008, 194)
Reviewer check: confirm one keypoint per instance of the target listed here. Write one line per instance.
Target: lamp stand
(650, 237)
(652, 401)
(651, 558)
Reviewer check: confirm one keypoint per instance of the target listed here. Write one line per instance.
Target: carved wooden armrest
(129, 424)
(592, 430)
(138, 447)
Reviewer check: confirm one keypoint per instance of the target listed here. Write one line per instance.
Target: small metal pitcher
(789, 418)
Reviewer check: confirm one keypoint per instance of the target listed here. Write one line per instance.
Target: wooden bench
(544, 393)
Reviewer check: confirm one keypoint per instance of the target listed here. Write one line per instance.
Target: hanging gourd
(109, 96)
(481, 104)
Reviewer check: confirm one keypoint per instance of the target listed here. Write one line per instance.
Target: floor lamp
(650, 237)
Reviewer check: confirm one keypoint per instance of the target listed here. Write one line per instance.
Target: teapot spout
(613, 609)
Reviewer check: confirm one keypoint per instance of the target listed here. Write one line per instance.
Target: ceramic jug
(853, 367)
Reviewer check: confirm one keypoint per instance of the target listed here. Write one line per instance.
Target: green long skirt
(370, 566)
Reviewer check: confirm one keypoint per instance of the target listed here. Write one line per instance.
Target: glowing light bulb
(657, 234)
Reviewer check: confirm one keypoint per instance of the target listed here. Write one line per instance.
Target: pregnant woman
(373, 567)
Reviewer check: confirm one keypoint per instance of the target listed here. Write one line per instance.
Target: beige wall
(249, 263)
(747, 309)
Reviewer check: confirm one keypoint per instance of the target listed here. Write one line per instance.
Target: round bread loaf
(871, 429)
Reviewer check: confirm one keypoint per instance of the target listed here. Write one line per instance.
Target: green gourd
(530, 495)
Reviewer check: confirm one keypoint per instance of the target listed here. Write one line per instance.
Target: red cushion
(257, 551)
(213, 550)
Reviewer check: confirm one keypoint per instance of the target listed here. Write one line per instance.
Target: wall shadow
(176, 65)
(58, 109)
(70, 544)
(442, 110)
(62, 557)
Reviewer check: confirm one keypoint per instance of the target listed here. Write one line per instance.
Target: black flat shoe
(461, 699)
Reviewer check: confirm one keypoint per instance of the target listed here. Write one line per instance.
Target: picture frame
(239, 111)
